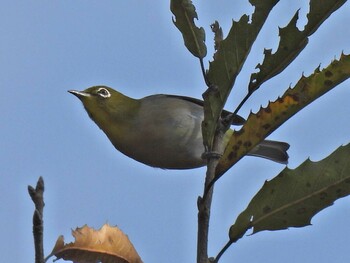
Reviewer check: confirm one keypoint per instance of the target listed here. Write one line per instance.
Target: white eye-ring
(104, 93)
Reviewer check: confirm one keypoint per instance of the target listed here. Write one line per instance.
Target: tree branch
(204, 203)
(37, 195)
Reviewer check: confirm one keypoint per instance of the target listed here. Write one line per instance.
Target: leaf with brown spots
(266, 120)
(292, 41)
(108, 244)
(293, 197)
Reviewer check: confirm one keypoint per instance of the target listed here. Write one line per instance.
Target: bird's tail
(272, 150)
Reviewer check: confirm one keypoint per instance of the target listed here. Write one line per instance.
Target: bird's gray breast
(171, 132)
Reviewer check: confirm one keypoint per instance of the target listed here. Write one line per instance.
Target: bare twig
(204, 206)
(37, 195)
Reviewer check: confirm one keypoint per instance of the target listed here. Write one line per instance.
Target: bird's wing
(238, 120)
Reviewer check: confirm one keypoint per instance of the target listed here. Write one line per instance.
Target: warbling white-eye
(159, 130)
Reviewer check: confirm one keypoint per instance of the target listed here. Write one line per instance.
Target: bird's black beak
(79, 94)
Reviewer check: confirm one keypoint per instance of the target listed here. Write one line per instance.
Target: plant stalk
(204, 203)
(37, 195)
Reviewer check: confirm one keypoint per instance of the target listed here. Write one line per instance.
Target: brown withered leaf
(108, 245)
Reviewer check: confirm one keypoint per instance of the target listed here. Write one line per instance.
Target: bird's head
(104, 104)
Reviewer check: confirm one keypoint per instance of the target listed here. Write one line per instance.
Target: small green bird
(160, 130)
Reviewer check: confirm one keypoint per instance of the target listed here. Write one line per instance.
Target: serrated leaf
(293, 197)
(258, 126)
(218, 34)
(194, 37)
(108, 244)
(292, 41)
(228, 61)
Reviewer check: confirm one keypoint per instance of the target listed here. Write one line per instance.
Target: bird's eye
(104, 93)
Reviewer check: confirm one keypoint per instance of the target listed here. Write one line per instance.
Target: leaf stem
(230, 118)
(204, 73)
(222, 251)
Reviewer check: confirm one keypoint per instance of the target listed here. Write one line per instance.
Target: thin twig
(204, 206)
(37, 195)
(204, 203)
(227, 122)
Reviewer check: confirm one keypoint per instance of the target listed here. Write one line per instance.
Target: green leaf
(293, 197)
(258, 126)
(218, 34)
(292, 41)
(194, 37)
(228, 60)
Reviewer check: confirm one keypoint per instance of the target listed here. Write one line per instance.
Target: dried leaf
(293, 197)
(258, 126)
(108, 245)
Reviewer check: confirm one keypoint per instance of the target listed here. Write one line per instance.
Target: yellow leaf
(108, 244)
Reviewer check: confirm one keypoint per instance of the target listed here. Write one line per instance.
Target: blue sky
(48, 47)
